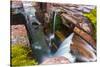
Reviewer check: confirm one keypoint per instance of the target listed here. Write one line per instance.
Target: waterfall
(52, 35)
(54, 22)
(64, 49)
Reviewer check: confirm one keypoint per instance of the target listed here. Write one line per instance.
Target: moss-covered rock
(20, 56)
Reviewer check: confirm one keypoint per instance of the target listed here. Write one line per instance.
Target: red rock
(56, 60)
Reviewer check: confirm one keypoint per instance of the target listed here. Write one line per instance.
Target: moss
(58, 23)
(20, 56)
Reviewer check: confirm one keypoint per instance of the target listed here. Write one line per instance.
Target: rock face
(16, 3)
(19, 35)
(82, 50)
(56, 60)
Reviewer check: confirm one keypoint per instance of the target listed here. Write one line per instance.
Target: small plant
(20, 56)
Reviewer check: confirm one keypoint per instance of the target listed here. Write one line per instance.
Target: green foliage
(20, 56)
(92, 17)
(58, 23)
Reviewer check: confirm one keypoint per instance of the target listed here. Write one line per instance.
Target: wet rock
(56, 60)
(82, 50)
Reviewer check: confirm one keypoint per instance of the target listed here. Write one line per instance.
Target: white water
(64, 49)
(54, 25)
(52, 35)
(54, 22)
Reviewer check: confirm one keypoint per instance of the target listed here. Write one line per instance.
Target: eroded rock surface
(19, 35)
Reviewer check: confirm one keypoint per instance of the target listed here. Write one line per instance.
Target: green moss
(58, 23)
(92, 17)
(20, 56)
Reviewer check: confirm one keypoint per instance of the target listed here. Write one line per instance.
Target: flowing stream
(39, 46)
(64, 49)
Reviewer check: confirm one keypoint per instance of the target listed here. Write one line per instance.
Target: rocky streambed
(74, 47)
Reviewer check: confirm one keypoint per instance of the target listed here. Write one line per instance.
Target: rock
(16, 4)
(82, 50)
(56, 60)
(19, 35)
(85, 8)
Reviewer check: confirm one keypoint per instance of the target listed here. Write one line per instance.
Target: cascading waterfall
(54, 23)
(39, 45)
(64, 49)
(52, 35)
